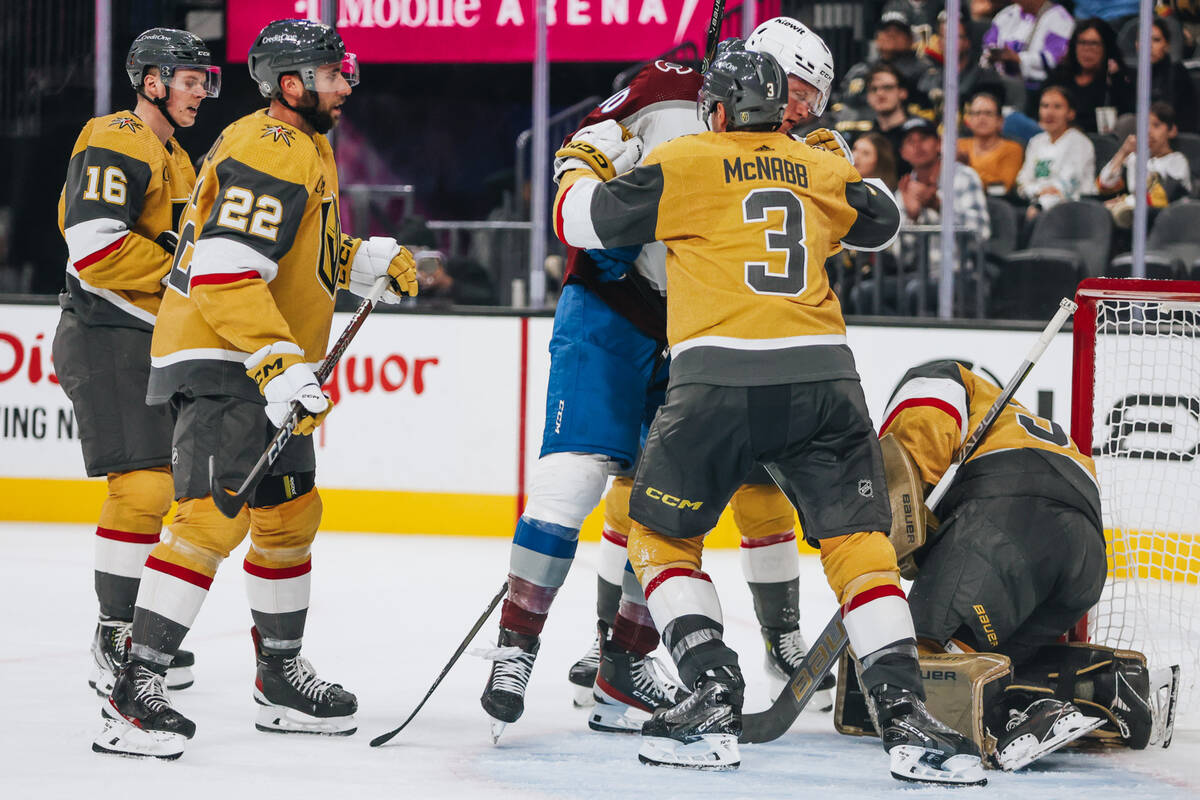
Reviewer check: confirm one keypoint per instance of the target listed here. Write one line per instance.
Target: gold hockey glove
(826, 139)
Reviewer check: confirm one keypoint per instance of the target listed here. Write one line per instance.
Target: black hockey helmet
(298, 46)
(171, 50)
(752, 87)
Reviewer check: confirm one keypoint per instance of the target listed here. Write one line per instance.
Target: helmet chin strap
(310, 114)
(161, 104)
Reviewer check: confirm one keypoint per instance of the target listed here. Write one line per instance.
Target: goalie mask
(751, 87)
(801, 53)
(172, 52)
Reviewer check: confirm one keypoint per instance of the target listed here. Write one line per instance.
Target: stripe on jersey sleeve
(942, 394)
(222, 260)
(91, 240)
(573, 214)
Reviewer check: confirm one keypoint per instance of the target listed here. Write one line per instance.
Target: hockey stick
(231, 504)
(714, 35)
(384, 738)
(768, 725)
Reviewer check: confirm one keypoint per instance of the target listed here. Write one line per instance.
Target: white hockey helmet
(801, 52)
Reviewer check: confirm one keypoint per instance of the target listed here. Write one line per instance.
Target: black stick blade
(228, 504)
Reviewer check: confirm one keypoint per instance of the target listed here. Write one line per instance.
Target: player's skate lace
(792, 648)
(303, 678)
(650, 678)
(513, 667)
(590, 659)
(1015, 718)
(118, 633)
(149, 691)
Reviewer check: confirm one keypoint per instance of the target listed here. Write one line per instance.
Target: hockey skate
(785, 651)
(702, 731)
(582, 674)
(922, 749)
(629, 689)
(512, 662)
(1041, 728)
(138, 718)
(292, 699)
(110, 645)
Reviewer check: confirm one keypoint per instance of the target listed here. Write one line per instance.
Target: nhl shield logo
(865, 488)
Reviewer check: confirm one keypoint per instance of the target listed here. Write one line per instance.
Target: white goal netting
(1145, 413)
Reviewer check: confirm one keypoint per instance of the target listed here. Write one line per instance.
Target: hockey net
(1136, 409)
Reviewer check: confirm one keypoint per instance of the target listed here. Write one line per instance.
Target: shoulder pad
(124, 133)
(271, 146)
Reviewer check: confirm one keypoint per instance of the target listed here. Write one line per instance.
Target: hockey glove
(605, 148)
(615, 262)
(371, 259)
(283, 377)
(831, 140)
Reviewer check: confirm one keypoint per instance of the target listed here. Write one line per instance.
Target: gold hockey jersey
(748, 220)
(937, 406)
(124, 188)
(257, 263)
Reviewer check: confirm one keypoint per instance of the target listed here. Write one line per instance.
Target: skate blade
(614, 718)
(583, 696)
(712, 752)
(119, 738)
(913, 764)
(1022, 753)
(497, 729)
(279, 719)
(179, 678)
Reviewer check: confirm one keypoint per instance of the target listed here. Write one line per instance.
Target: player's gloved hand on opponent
(615, 262)
(283, 377)
(378, 256)
(606, 148)
(831, 140)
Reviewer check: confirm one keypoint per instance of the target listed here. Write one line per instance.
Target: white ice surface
(387, 612)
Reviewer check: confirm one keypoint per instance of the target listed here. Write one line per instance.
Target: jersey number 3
(789, 240)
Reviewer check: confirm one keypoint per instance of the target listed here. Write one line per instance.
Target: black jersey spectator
(1095, 72)
(1169, 80)
(886, 94)
(893, 45)
(922, 18)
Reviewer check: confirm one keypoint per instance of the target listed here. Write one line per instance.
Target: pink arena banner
(487, 31)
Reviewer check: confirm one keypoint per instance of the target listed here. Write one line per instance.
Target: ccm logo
(673, 501)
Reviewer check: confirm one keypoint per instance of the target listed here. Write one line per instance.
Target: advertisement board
(485, 31)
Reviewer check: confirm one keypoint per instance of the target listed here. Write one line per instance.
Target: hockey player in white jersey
(606, 382)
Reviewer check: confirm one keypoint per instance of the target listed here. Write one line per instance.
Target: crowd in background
(1045, 120)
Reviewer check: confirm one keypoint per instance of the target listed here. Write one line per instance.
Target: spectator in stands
(1060, 162)
(921, 200)
(995, 159)
(1095, 72)
(1027, 40)
(921, 16)
(1169, 81)
(886, 93)
(972, 77)
(921, 204)
(893, 45)
(1169, 176)
(874, 157)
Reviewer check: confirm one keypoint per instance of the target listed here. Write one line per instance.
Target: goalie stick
(768, 725)
(231, 504)
(384, 738)
(714, 35)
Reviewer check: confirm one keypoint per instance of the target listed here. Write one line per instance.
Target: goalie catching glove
(283, 377)
(364, 262)
(831, 140)
(605, 148)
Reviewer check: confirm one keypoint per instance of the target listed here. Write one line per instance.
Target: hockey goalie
(1016, 559)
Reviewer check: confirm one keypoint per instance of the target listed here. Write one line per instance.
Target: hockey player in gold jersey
(761, 373)
(246, 318)
(126, 185)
